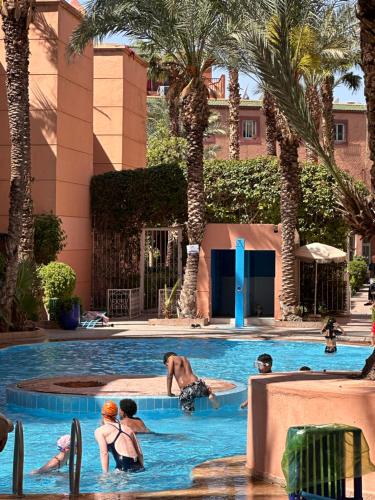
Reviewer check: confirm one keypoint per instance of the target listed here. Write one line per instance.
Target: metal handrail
(18, 460)
(75, 451)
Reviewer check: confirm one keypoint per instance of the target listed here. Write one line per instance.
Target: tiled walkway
(223, 478)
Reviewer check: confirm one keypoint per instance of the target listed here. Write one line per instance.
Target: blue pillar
(240, 283)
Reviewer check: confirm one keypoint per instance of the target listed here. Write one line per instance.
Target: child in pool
(59, 460)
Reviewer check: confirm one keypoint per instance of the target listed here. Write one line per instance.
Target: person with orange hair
(118, 439)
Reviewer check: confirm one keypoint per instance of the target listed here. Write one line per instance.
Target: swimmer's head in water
(128, 407)
(110, 410)
(63, 443)
(168, 355)
(264, 363)
(305, 369)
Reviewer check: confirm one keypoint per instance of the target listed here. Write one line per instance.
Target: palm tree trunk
(269, 111)
(289, 202)
(366, 16)
(26, 245)
(326, 91)
(234, 114)
(173, 99)
(195, 114)
(314, 105)
(17, 86)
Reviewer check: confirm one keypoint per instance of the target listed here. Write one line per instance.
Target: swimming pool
(183, 441)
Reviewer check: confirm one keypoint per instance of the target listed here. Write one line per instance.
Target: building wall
(61, 133)
(224, 236)
(352, 155)
(120, 79)
(75, 151)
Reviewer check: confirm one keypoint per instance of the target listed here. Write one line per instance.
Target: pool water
(182, 441)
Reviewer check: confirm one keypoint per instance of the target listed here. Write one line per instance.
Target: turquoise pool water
(182, 442)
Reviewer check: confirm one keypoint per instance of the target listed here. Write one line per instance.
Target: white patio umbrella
(320, 254)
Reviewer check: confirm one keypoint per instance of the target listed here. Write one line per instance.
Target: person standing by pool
(128, 409)
(58, 461)
(119, 440)
(331, 330)
(264, 365)
(6, 426)
(190, 385)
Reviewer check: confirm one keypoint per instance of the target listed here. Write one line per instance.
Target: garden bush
(125, 201)
(245, 191)
(357, 269)
(49, 238)
(58, 280)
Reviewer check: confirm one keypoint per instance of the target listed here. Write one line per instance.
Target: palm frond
(277, 68)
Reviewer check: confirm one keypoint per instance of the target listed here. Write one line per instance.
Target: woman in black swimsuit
(119, 440)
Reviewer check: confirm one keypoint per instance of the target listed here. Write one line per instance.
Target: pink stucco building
(80, 125)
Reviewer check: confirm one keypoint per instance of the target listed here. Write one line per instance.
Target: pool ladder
(75, 459)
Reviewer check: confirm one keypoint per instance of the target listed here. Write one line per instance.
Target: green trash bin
(319, 458)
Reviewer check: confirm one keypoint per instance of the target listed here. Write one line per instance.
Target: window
(249, 129)
(340, 132)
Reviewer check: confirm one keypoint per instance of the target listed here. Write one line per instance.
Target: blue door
(259, 283)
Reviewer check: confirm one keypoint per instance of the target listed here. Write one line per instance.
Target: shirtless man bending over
(191, 386)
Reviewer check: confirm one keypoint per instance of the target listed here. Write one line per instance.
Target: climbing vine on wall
(245, 191)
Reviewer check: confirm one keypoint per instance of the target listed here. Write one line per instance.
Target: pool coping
(92, 404)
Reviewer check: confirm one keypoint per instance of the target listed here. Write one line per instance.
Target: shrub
(49, 238)
(245, 191)
(357, 269)
(58, 280)
(125, 201)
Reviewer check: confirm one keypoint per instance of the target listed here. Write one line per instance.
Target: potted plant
(69, 312)
(58, 282)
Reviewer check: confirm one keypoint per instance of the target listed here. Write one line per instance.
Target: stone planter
(28, 337)
(187, 322)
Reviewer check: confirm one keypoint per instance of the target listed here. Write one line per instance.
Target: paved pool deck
(222, 478)
(357, 333)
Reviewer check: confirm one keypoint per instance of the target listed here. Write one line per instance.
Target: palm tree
(192, 33)
(264, 31)
(275, 65)
(16, 17)
(234, 114)
(327, 86)
(161, 67)
(366, 16)
(336, 45)
(269, 110)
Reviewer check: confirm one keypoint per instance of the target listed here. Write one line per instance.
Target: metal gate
(160, 263)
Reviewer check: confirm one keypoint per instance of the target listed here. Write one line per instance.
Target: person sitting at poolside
(58, 461)
(6, 426)
(118, 439)
(264, 365)
(190, 385)
(128, 409)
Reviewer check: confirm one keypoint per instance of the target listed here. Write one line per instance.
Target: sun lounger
(94, 319)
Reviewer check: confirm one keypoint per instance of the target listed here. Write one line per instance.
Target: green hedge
(357, 269)
(124, 201)
(245, 191)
